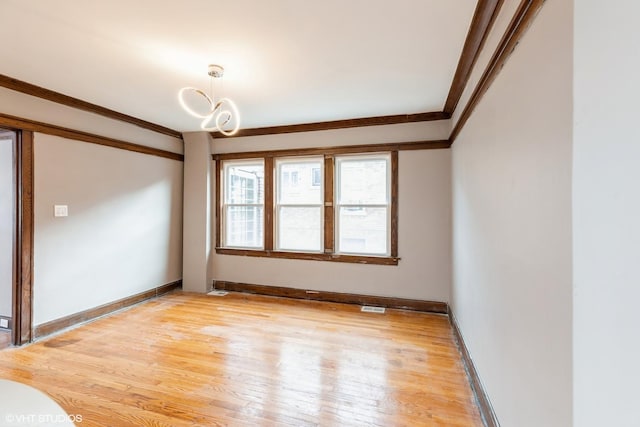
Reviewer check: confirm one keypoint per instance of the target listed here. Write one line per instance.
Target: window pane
(362, 181)
(245, 184)
(299, 182)
(299, 228)
(244, 226)
(363, 230)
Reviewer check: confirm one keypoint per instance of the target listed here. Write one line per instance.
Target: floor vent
(369, 309)
(218, 293)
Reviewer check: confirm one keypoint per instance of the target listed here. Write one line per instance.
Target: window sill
(355, 259)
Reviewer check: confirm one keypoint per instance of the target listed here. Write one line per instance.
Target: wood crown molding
(481, 24)
(483, 19)
(340, 124)
(33, 126)
(69, 101)
(339, 297)
(336, 150)
(489, 417)
(522, 19)
(92, 313)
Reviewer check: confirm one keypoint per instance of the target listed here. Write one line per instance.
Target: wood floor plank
(195, 360)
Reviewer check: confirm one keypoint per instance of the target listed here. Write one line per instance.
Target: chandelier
(222, 115)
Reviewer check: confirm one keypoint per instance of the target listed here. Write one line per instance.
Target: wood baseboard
(484, 403)
(388, 302)
(92, 313)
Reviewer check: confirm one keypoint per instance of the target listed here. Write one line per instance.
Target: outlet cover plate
(60, 210)
(5, 323)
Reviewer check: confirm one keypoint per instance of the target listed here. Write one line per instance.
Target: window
(337, 206)
(243, 207)
(362, 204)
(299, 205)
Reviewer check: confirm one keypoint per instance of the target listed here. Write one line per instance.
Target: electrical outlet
(4, 323)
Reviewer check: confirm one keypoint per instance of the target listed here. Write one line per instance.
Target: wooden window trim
(269, 212)
(329, 211)
(312, 256)
(267, 204)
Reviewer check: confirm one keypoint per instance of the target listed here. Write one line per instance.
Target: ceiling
(286, 61)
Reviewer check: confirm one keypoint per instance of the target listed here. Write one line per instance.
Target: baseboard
(92, 313)
(339, 297)
(484, 403)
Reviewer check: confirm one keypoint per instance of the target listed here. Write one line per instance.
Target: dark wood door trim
(13, 136)
(23, 286)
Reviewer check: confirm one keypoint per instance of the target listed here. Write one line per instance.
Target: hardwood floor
(247, 360)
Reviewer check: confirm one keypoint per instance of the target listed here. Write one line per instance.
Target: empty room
(319, 213)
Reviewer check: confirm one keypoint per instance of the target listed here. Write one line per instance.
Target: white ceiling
(286, 61)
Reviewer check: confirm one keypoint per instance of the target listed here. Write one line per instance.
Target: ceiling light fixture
(220, 113)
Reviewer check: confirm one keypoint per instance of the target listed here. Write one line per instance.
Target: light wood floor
(195, 360)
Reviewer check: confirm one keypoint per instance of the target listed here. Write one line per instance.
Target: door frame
(23, 225)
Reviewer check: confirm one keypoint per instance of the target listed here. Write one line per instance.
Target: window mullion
(329, 209)
(219, 196)
(393, 235)
(269, 195)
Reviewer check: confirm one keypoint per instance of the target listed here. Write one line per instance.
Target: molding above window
(344, 149)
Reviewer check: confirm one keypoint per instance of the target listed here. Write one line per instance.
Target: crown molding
(521, 21)
(339, 124)
(69, 101)
(481, 24)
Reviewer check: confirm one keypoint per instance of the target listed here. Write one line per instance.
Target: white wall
(606, 203)
(424, 272)
(197, 212)
(7, 203)
(123, 232)
(512, 244)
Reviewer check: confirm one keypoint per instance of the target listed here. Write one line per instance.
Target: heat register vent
(218, 293)
(369, 309)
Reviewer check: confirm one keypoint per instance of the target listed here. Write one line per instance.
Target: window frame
(386, 206)
(225, 204)
(277, 205)
(329, 223)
